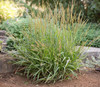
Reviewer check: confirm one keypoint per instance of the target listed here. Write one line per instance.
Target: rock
(5, 64)
(2, 33)
(92, 52)
(3, 38)
(98, 69)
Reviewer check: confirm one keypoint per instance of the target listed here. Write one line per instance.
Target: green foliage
(93, 62)
(95, 5)
(7, 10)
(90, 8)
(93, 11)
(14, 27)
(92, 34)
(47, 51)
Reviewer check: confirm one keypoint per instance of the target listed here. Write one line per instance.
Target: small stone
(98, 69)
(2, 33)
(37, 85)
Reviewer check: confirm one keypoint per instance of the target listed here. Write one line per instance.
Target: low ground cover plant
(14, 27)
(94, 62)
(47, 50)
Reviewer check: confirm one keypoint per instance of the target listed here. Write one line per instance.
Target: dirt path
(87, 79)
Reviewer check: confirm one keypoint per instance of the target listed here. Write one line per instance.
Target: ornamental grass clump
(47, 51)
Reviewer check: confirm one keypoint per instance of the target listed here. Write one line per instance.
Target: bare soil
(85, 79)
(90, 78)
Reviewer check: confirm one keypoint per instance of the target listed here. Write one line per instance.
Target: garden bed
(47, 45)
(6, 66)
(84, 79)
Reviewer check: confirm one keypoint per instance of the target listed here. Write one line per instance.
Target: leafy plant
(7, 10)
(14, 27)
(92, 34)
(93, 11)
(90, 8)
(93, 62)
(47, 51)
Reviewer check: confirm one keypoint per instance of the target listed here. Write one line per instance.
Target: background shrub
(7, 10)
(92, 34)
(14, 27)
(90, 8)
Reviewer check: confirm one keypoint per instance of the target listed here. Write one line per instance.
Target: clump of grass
(47, 51)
